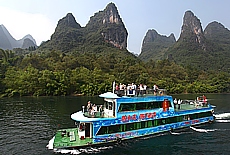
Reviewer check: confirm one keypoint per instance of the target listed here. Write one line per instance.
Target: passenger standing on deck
(89, 106)
(100, 110)
(155, 88)
(204, 100)
(145, 88)
(134, 87)
(141, 89)
(175, 102)
(116, 89)
(179, 103)
(138, 90)
(121, 89)
(94, 109)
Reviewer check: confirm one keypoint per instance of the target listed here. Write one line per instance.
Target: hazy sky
(40, 17)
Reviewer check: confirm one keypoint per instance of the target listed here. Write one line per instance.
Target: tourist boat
(128, 117)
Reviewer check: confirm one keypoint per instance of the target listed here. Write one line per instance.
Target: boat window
(150, 124)
(155, 122)
(143, 124)
(193, 116)
(205, 114)
(153, 105)
(179, 118)
(127, 107)
(137, 125)
(140, 106)
(108, 105)
(130, 126)
(114, 128)
(103, 130)
(123, 127)
(171, 120)
(162, 122)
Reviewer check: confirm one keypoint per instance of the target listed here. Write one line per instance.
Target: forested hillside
(155, 45)
(56, 73)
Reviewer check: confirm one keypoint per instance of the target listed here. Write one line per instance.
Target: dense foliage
(212, 57)
(58, 73)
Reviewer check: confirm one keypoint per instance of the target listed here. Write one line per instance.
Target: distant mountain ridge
(206, 50)
(105, 28)
(8, 42)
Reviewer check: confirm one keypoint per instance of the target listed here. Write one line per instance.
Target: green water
(28, 123)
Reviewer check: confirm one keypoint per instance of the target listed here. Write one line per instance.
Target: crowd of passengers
(92, 109)
(121, 90)
(133, 89)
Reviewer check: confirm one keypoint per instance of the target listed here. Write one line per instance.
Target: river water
(28, 123)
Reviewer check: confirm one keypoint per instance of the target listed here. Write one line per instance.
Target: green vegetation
(56, 73)
(155, 46)
(212, 57)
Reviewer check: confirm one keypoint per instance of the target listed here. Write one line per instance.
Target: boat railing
(187, 105)
(138, 92)
(96, 112)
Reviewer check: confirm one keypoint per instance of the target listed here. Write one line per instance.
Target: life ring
(160, 93)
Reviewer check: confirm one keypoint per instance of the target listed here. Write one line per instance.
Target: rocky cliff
(206, 50)
(104, 28)
(154, 45)
(192, 31)
(114, 30)
(109, 25)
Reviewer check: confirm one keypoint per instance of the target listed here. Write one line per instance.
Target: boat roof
(109, 95)
(79, 116)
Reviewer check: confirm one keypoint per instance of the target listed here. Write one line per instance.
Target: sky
(40, 17)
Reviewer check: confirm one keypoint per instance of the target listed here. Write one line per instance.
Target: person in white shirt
(155, 88)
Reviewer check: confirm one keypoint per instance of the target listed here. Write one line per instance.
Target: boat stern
(69, 138)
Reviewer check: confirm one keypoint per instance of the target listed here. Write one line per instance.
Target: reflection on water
(28, 123)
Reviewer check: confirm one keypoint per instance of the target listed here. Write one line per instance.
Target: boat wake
(202, 130)
(65, 151)
(223, 120)
(76, 151)
(50, 144)
(175, 133)
(222, 116)
(179, 133)
(85, 150)
(152, 136)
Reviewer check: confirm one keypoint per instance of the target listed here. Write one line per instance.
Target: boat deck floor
(187, 106)
(66, 138)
